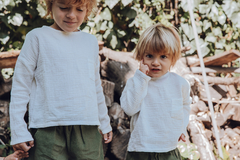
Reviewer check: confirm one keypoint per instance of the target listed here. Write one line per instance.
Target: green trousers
(171, 155)
(66, 143)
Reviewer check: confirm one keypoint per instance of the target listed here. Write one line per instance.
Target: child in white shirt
(57, 74)
(158, 100)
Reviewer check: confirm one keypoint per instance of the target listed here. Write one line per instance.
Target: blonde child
(57, 75)
(157, 100)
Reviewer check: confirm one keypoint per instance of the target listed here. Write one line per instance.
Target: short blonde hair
(90, 5)
(159, 39)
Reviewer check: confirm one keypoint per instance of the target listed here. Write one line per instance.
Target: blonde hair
(90, 5)
(159, 39)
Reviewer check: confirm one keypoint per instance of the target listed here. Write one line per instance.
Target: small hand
(107, 137)
(17, 155)
(143, 68)
(25, 146)
(182, 137)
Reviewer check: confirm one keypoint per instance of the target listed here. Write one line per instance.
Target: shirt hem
(152, 149)
(52, 124)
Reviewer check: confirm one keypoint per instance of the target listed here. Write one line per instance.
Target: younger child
(57, 76)
(157, 100)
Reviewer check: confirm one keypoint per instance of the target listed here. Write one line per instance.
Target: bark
(219, 80)
(196, 129)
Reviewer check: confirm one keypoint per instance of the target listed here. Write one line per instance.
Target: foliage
(188, 151)
(17, 18)
(217, 25)
(120, 22)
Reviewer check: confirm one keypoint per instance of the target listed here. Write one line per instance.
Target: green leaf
(206, 25)
(218, 51)
(110, 24)
(111, 3)
(204, 9)
(16, 20)
(210, 38)
(121, 33)
(106, 14)
(220, 44)
(41, 10)
(187, 29)
(203, 46)
(222, 19)
(114, 41)
(228, 47)
(131, 13)
(236, 35)
(4, 37)
(106, 34)
(103, 26)
(126, 2)
(230, 7)
(217, 31)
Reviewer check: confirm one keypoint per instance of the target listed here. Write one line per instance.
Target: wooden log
(200, 106)
(211, 69)
(232, 111)
(219, 59)
(215, 96)
(8, 59)
(116, 115)
(108, 90)
(196, 129)
(219, 80)
(119, 143)
(5, 85)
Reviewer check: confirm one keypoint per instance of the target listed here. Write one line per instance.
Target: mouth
(155, 70)
(70, 23)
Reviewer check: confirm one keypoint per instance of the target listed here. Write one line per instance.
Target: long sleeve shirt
(57, 76)
(160, 111)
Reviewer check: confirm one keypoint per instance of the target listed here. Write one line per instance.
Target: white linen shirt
(57, 74)
(160, 111)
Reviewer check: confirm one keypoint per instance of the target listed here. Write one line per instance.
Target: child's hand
(25, 146)
(107, 137)
(17, 155)
(143, 68)
(182, 137)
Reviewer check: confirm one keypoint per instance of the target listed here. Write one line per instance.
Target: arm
(186, 104)
(134, 93)
(104, 119)
(21, 90)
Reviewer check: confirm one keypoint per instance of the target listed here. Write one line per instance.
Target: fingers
(31, 143)
(183, 138)
(144, 68)
(108, 137)
(23, 146)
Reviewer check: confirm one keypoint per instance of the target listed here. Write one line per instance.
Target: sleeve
(134, 93)
(187, 100)
(104, 119)
(21, 89)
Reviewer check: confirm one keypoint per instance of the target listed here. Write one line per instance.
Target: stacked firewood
(117, 67)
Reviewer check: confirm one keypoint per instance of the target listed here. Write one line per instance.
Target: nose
(70, 14)
(156, 62)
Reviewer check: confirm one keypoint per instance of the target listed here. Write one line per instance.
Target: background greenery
(120, 22)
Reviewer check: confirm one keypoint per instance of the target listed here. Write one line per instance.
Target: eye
(149, 55)
(163, 56)
(63, 8)
(79, 9)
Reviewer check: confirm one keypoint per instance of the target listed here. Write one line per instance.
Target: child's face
(158, 64)
(67, 18)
